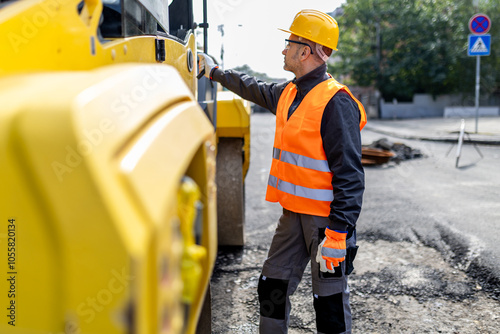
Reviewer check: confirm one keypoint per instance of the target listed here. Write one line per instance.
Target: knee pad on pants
(272, 297)
(330, 313)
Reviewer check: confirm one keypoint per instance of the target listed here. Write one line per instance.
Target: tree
(261, 76)
(410, 46)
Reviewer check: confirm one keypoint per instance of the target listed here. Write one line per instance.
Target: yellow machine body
(108, 194)
(50, 35)
(233, 121)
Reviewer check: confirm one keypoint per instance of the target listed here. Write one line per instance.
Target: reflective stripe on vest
(293, 189)
(301, 160)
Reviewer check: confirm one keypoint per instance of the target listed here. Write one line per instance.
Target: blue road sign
(479, 24)
(479, 45)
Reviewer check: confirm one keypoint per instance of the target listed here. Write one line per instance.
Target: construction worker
(316, 175)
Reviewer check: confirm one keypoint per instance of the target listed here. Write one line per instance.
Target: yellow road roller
(109, 147)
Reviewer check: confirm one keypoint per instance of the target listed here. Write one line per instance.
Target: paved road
(424, 225)
(455, 210)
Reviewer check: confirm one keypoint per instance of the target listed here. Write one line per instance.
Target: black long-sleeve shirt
(339, 132)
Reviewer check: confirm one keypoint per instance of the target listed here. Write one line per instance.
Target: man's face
(291, 53)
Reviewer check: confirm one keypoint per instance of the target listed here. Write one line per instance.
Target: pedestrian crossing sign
(479, 45)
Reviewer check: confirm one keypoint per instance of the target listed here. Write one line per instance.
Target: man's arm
(250, 88)
(342, 144)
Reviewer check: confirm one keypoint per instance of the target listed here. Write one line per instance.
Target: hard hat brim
(294, 33)
(300, 35)
(285, 30)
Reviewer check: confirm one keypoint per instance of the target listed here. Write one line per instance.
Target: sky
(251, 34)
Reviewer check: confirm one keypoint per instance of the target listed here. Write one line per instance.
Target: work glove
(205, 65)
(331, 250)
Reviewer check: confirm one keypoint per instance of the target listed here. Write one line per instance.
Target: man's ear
(306, 52)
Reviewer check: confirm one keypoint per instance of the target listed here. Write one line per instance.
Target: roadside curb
(494, 141)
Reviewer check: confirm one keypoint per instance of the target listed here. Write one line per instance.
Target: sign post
(479, 45)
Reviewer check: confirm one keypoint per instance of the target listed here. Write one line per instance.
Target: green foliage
(405, 47)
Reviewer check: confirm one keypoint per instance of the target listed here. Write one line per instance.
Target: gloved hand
(205, 65)
(331, 250)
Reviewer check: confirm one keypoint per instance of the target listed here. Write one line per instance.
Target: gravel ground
(413, 290)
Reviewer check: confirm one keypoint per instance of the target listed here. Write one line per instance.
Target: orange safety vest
(300, 178)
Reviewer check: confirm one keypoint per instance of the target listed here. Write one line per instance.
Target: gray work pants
(294, 243)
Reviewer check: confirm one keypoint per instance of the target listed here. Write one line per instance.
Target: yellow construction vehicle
(108, 148)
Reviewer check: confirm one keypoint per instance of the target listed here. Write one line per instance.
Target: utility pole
(479, 45)
(220, 28)
(379, 61)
